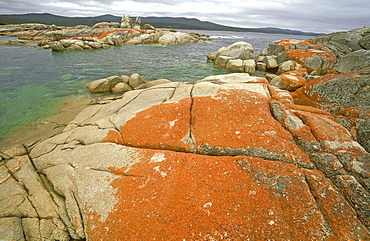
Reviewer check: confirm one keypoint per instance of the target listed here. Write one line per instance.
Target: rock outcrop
(101, 35)
(290, 80)
(230, 157)
(18, 42)
(347, 95)
(115, 37)
(126, 21)
(342, 51)
(117, 84)
(238, 57)
(330, 72)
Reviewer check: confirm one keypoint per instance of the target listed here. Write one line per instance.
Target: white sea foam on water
(226, 37)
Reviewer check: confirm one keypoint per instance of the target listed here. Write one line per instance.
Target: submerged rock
(228, 157)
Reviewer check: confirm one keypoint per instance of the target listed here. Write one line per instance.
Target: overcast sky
(322, 16)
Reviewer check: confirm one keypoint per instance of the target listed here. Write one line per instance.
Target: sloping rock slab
(169, 195)
(181, 161)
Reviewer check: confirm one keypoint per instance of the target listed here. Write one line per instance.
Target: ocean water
(35, 81)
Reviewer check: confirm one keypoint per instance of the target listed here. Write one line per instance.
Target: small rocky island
(283, 154)
(101, 35)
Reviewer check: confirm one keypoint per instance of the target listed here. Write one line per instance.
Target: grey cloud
(313, 15)
(16, 6)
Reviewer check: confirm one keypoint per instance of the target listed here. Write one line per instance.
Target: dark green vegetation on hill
(159, 22)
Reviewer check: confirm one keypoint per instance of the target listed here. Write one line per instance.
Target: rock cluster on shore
(101, 35)
(117, 84)
(232, 156)
(330, 72)
(343, 52)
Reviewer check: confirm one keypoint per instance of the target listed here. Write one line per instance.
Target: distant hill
(158, 22)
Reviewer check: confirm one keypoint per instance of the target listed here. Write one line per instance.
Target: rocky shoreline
(282, 154)
(100, 36)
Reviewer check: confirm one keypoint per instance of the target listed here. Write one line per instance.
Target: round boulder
(240, 50)
(121, 87)
(135, 80)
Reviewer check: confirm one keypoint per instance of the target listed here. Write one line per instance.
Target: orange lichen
(308, 109)
(352, 112)
(300, 56)
(292, 80)
(324, 127)
(188, 196)
(241, 119)
(278, 94)
(113, 136)
(154, 31)
(285, 42)
(131, 31)
(106, 33)
(236, 119)
(257, 80)
(75, 223)
(305, 95)
(162, 126)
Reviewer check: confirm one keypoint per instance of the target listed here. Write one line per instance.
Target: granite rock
(227, 157)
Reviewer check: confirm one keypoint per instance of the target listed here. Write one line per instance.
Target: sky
(320, 16)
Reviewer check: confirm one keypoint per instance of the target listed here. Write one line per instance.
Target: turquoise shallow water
(35, 81)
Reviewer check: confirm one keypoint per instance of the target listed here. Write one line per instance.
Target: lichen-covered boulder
(348, 38)
(345, 94)
(319, 55)
(365, 42)
(313, 57)
(334, 92)
(227, 157)
(290, 80)
(106, 24)
(354, 61)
